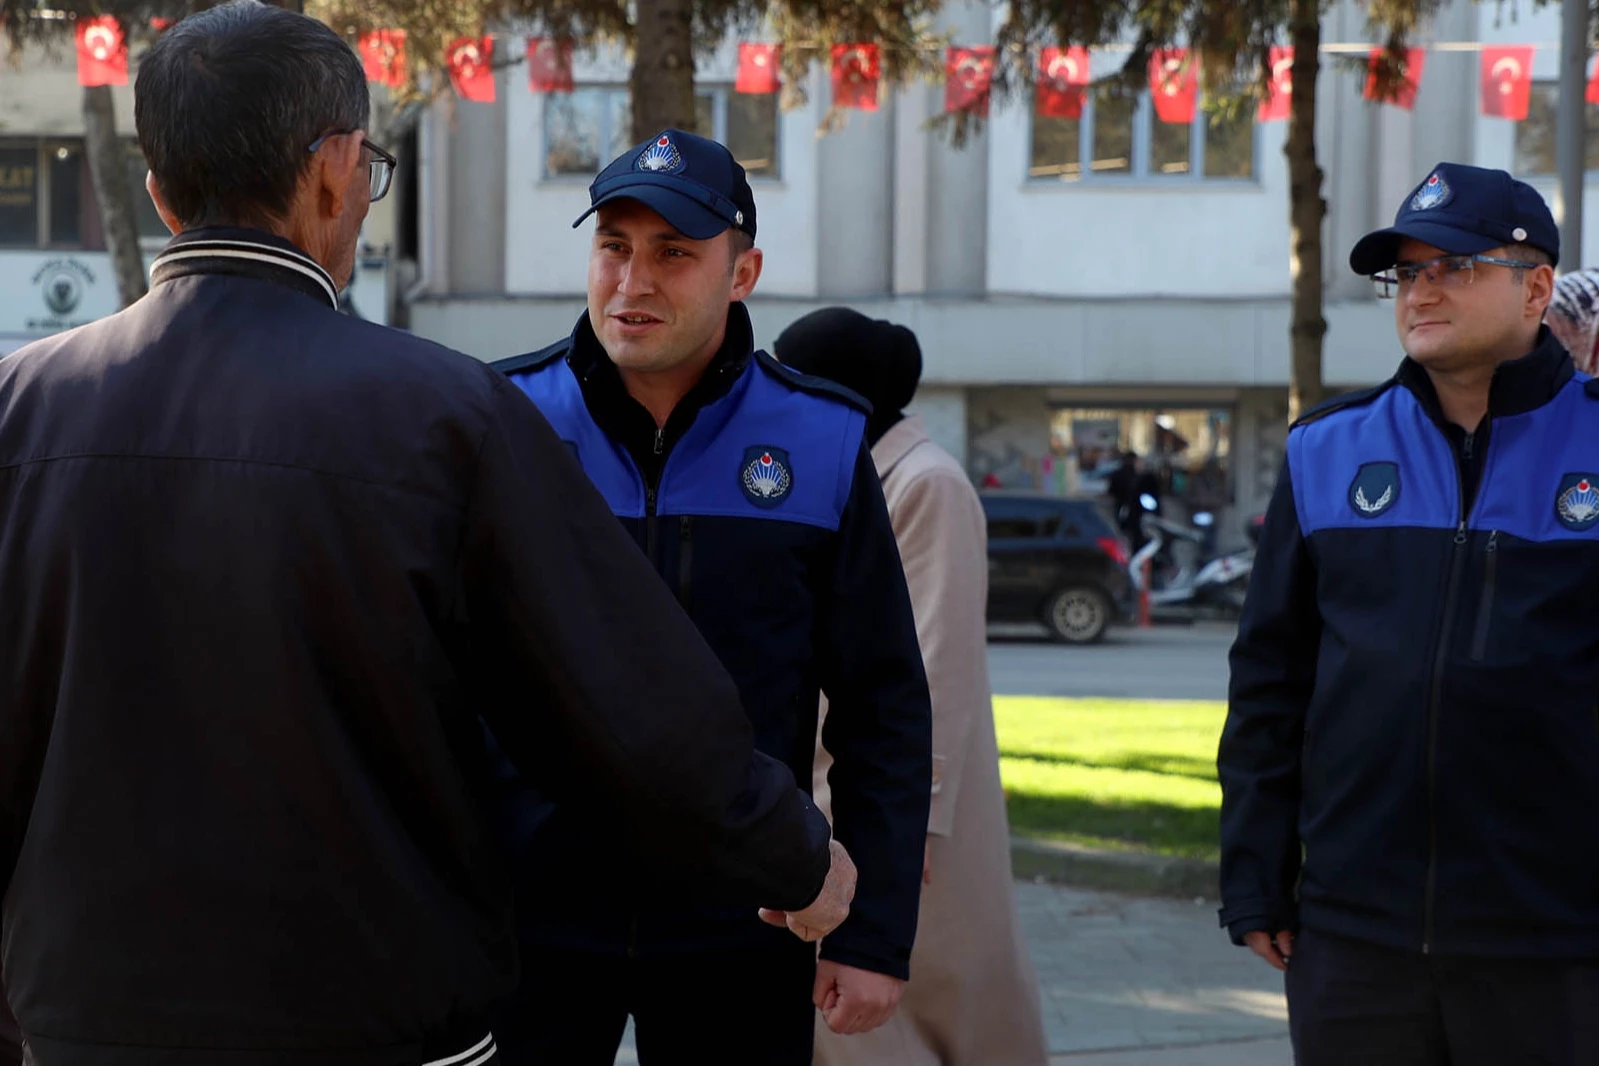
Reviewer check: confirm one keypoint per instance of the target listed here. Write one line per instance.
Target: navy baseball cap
(1462, 210)
(692, 182)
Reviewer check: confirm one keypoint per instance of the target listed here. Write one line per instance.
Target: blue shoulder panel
(533, 360)
(1542, 478)
(769, 449)
(554, 388)
(1380, 462)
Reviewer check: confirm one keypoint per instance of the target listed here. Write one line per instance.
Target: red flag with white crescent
(1062, 76)
(757, 68)
(102, 52)
(1507, 81)
(968, 77)
(1279, 101)
(471, 71)
(549, 65)
(383, 56)
(1174, 85)
(857, 69)
(1403, 94)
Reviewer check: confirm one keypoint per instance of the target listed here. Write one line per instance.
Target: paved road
(1164, 662)
(1127, 981)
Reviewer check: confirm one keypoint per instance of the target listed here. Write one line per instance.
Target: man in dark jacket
(1410, 765)
(752, 491)
(264, 567)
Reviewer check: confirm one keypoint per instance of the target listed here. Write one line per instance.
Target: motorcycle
(1185, 572)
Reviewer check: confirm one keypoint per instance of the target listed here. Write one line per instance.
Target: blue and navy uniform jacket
(1411, 754)
(759, 506)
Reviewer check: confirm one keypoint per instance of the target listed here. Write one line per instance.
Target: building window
(1535, 135)
(587, 128)
(47, 196)
(1120, 137)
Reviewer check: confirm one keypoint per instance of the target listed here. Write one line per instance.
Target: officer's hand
(854, 1001)
(829, 909)
(1277, 952)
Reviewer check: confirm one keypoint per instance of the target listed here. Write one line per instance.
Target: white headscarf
(1573, 317)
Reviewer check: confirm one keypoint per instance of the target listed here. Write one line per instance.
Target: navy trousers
(1351, 1002)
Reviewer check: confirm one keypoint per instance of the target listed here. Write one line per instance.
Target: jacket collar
(902, 438)
(1519, 386)
(245, 253)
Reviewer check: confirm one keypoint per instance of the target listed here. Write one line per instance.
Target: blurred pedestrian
(1573, 317)
(263, 568)
(973, 996)
(1410, 763)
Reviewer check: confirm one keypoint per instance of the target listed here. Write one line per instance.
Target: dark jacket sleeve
(1273, 663)
(878, 730)
(10, 1035)
(598, 686)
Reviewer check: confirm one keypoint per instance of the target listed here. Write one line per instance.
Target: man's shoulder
(829, 392)
(1346, 403)
(531, 362)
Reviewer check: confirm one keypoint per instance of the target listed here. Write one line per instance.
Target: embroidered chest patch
(1375, 489)
(765, 475)
(1577, 501)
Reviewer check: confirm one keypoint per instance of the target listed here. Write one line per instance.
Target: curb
(1122, 871)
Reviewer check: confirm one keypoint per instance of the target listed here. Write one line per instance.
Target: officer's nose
(638, 278)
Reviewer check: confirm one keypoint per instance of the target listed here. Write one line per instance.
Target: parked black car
(1056, 560)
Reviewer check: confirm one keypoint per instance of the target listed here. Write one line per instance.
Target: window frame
(719, 92)
(1144, 118)
(43, 146)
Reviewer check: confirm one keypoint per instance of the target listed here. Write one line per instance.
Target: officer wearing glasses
(1410, 764)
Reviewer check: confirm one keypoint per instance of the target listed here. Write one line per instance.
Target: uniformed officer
(751, 490)
(1410, 764)
(263, 568)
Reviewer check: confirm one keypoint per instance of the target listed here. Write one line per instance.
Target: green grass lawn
(1112, 773)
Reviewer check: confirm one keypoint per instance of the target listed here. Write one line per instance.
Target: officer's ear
(747, 265)
(1539, 290)
(168, 219)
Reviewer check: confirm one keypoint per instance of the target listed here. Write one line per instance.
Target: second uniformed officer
(752, 491)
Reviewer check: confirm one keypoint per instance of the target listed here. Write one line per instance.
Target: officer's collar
(1519, 386)
(593, 366)
(248, 253)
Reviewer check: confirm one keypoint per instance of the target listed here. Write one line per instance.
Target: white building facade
(1078, 286)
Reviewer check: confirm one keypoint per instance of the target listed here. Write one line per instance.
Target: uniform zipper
(685, 559)
(1435, 698)
(1490, 574)
(651, 532)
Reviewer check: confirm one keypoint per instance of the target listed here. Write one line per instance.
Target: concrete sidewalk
(1132, 981)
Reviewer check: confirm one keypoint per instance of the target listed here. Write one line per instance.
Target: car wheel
(1078, 615)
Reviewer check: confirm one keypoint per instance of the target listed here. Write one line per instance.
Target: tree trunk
(1306, 209)
(108, 166)
(662, 83)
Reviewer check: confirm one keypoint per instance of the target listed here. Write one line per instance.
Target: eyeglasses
(1446, 272)
(381, 166)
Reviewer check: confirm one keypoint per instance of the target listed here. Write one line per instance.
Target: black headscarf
(872, 356)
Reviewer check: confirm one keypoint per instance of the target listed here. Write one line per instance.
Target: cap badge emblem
(1434, 193)
(662, 157)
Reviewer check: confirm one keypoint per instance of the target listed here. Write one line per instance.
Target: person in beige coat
(973, 997)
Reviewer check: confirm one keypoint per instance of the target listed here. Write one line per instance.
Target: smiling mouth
(636, 320)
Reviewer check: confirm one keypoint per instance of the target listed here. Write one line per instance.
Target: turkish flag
(1280, 93)
(968, 77)
(1592, 95)
(1174, 85)
(470, 69)
(1062, 74)
(549, 65)
(856, 70)
(383, 56)
(757, 68)
(102, 52)
(1404, 94)
(1506, 81)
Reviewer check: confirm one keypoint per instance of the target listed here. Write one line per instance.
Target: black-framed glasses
(1446, 272)
(381, 166)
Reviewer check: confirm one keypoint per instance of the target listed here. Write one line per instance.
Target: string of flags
(1060, 89)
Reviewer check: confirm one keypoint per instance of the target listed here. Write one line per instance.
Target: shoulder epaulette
(814, 385)
(1591, 387)
(533, 360)
(1339, 403)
